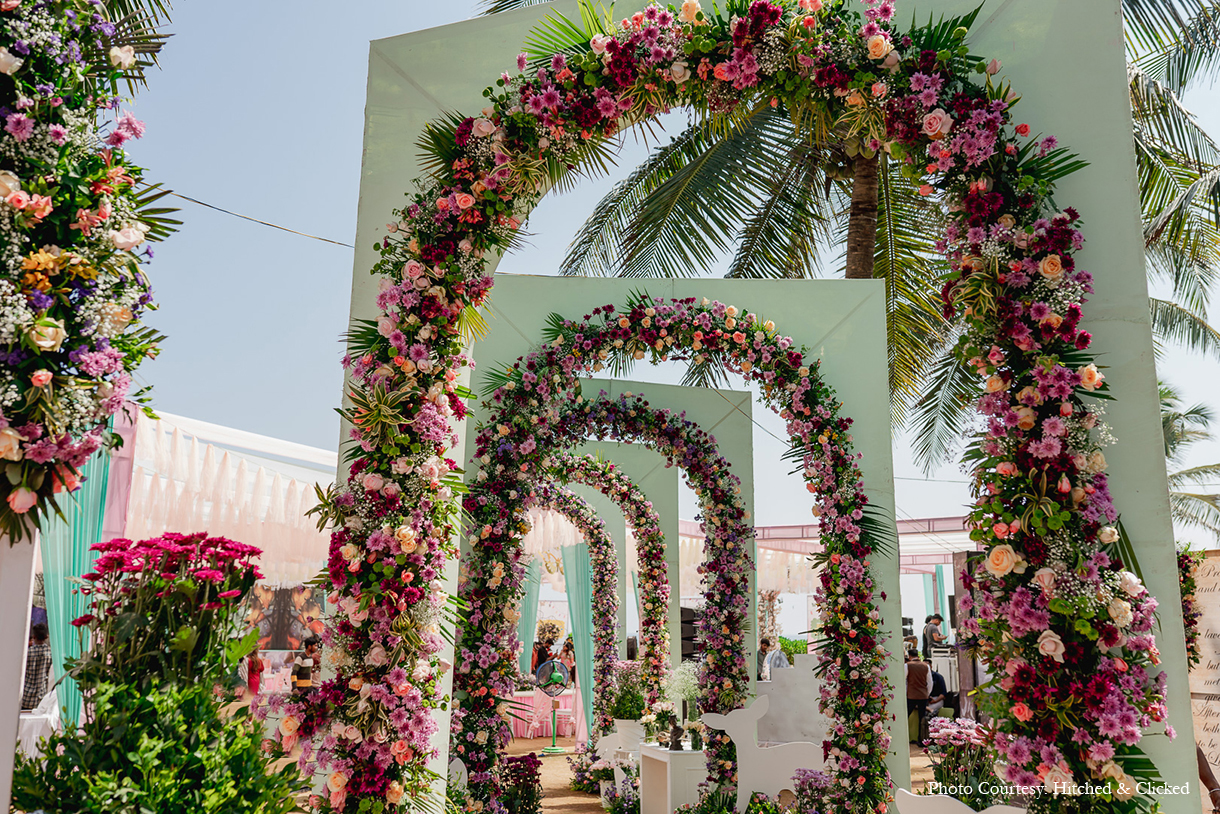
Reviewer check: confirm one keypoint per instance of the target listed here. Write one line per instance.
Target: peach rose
(1050, 645)
(289, 725)
(1021, 711)
(394, 793)
(1057, 778)
(21, 500)
(1125, 788)
(1051, 267)
(1006, 468)
(690, 12)
(337, 781)
(47, 334)
(465, 200)
(1120, 612)
(1045, 579)
(10, 444)
(1090, 377)
(879, 46)
(1026, 418)
(1001, 560)
(483, 127)
(1108, 534)
(1007, 221)
(679, 72)
(9, 184)
(995, 384)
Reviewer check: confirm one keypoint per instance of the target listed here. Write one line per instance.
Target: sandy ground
(556, 776)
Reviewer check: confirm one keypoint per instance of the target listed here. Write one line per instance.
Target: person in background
(303, 667)
(254, 672)
(542, 654)
(568, 657)
(932, 637)
(919, 687)
(764, 646)
(37, 668)
(936, 696)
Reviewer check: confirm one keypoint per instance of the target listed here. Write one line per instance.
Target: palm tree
(778, 202)
(1189, 502)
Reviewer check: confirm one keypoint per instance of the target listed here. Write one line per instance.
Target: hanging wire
(263, 222)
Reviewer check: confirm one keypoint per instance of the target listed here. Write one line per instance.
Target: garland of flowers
(650, 550)
(525, 407)
(509, 447)
(848, 77)
(603, 573)
(1188, 565)
(75, 214)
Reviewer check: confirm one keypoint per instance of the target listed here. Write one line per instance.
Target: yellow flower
(41, 260)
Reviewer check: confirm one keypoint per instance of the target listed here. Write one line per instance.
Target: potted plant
(627, 705)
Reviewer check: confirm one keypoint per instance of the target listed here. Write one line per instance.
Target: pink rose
(1044, 578)
(1000, 530)
(18, 200)
(21, 499)
(391, 489)
(373, 482)
(1022, 129)
(1021, 711)
(598, 43)
(937, 124)
(1006, 468)
(41, 378)
(465, 200)
(413, 269)
(377, 657)
(1051, 646)
(483, 127)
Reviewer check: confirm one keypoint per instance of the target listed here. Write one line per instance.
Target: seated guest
(937, 695)
(37, 668)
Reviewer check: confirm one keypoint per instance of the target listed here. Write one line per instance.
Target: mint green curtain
(943, 596)
(578, 580)
(66, 554)
(527, 626)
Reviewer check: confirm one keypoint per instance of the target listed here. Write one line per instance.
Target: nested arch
(532, 410)
(645, 523)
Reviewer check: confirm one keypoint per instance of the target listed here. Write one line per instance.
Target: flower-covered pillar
(395, 113)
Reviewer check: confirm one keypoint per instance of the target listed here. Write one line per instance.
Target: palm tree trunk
(862, 227)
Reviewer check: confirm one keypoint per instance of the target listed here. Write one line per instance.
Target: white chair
(39, 723)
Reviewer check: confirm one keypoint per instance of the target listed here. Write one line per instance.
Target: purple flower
(19, 126)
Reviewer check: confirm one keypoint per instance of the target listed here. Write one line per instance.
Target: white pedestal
(16, 593)
(669, 779)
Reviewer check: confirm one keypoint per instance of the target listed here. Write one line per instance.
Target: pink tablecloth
(532, 711)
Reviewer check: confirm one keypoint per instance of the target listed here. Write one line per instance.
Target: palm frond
(1191, 54)
(942, 414)
(1197, 510)
(782, 238)
(691, 219)
(1159, 112)
(500, 6)
(1177, 324)
(905, 258)
(1149, 24)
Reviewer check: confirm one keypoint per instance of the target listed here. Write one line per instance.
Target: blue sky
(260, 110)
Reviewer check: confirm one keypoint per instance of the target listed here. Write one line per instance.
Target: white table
(669, 779)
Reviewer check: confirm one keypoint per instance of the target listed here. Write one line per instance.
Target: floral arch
(644, 521)
(603, 569)
(847, 75)
(538, 406)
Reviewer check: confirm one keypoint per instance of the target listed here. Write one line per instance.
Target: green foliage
(628, 704)
(164, 750)
(792, 647)
(725, 802)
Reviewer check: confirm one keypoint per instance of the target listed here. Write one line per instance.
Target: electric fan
(552, 678)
